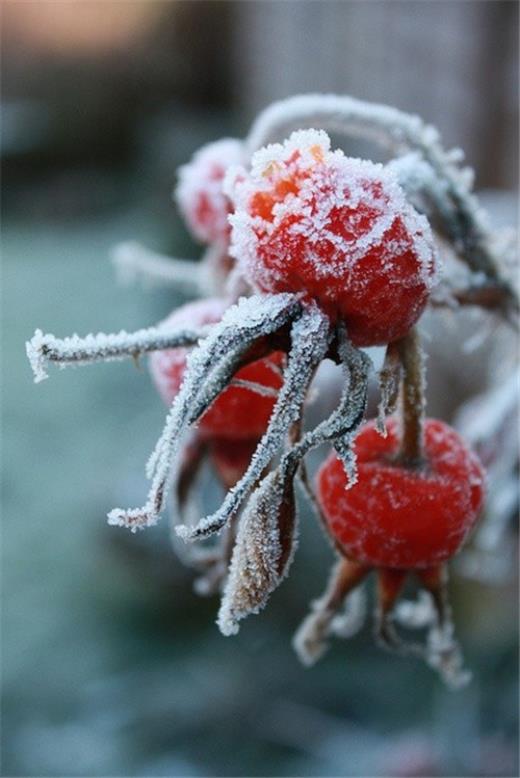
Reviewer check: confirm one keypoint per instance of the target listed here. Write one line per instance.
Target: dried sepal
(263, 551)
(441, 651)
(389, 382)
(311, 639)
(210, 368)
(103, 347)
(309, 344)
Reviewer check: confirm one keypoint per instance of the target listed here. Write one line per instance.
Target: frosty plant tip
(314, 255)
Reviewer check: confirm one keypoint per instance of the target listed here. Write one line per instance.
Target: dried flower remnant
(333, 254)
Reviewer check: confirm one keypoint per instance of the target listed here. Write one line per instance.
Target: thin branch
(102, 347)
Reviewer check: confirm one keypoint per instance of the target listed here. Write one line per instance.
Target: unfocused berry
(239, 412)
(398, 517)
(199, 193)
(337, 229)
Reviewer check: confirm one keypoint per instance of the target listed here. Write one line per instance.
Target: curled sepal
(210, 368)
(263, 552)
(310, 335)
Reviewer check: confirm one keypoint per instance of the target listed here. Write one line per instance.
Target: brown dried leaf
(264, 549)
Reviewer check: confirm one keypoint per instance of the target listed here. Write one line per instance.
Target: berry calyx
(242, 411)
(398, 517)
(199, 193)
(337, 229)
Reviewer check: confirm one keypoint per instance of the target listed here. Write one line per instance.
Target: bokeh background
(111, 665)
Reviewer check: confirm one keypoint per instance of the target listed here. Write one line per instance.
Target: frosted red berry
(239, 412)
(337, 229)
(199, 193)
(398, 517)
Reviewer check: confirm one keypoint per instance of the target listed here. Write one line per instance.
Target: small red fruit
(199, 193)
(337, 229)
(396, 517)
(239, 412)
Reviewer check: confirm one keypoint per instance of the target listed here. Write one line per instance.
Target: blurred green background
(111, 665)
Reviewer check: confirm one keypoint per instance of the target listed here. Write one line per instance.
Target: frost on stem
(45, 348)
(263, 551)
(209, 370)
(133, 261)
(439, 180)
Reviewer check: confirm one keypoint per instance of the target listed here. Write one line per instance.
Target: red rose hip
(199, 193)
(396, 517)
(337, 229)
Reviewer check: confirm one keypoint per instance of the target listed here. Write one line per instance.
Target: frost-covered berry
(199, 192)
(340, 230)
(242, 411)
(396, 517)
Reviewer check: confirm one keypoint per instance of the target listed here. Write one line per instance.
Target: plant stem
(412, 399)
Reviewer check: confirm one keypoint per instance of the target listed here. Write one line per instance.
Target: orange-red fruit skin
(398, 517)
(336, 230)
(238, 413)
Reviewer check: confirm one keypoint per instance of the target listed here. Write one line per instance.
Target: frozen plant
(322, 256)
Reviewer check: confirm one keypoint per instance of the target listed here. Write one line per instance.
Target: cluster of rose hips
(336, 259)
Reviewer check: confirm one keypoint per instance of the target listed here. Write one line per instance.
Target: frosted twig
(102, 347)
(133, 261)
(447, 186)
(309, 344)
(209, 369)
